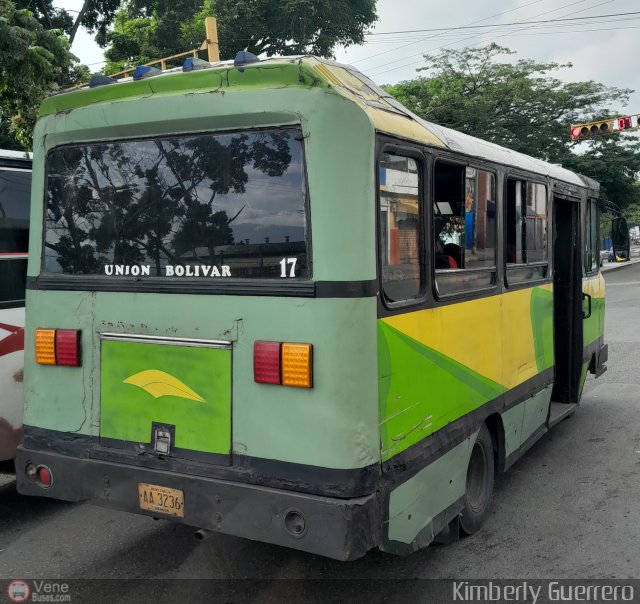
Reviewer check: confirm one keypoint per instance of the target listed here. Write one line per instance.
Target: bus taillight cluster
(283, 363)
(58, 347)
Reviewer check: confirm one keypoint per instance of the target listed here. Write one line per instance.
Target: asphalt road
(568, 509)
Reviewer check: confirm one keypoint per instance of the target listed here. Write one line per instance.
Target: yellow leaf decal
(158, 383)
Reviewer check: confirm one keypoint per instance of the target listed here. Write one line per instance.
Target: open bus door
(567, 311)
(620, 240)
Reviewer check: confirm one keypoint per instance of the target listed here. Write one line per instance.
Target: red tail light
(266, 362)
(44, 476)
(68, 347)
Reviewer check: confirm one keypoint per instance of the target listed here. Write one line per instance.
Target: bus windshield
(224, 205)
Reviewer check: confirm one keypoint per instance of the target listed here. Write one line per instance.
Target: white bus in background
(15, 196)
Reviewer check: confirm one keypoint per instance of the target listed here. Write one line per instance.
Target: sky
(604, 49)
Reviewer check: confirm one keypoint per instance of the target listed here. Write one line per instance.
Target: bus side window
(15, 191)
(400, 232)
(464, 219)
(526, 240)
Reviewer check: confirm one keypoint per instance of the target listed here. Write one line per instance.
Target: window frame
(590, 270)
(388, 147)
(465, 292)
(17, 256)
(528, 179)
(230, 286)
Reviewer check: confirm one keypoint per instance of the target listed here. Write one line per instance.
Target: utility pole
(211, 43)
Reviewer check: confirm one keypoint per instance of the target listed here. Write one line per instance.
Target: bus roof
(15, 155)
(385, 112)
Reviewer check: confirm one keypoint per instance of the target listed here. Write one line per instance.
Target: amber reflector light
(297, 365)
(45, 341)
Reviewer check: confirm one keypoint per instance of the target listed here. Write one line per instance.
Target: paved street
(568, 509)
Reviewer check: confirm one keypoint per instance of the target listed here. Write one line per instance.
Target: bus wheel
(479, 483)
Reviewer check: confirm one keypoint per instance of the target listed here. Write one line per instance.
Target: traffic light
(591, 130)
(625, 123)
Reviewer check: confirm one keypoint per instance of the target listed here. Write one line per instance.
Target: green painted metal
(594, 325)
(421, 390)
(512, 424)
(414, 504)
(523, 420)
(334, 424)
(536, 412)
(542, 324)
(583, 377)
(190, 388)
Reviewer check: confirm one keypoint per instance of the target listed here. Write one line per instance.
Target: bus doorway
(567, 305)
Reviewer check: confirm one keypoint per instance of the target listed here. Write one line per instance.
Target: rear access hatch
(166, 398)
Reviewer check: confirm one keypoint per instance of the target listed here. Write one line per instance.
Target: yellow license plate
(162, 500)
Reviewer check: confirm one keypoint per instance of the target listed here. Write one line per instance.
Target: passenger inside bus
(444, 258)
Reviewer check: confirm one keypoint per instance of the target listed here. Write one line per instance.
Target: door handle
(588, 297)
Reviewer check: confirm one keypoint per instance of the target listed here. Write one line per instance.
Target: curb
(619, 265)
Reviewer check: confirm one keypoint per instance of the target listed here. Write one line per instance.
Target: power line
(480, 36)
(559, 28)
(412, 31)
(437, 35)
(440, 35)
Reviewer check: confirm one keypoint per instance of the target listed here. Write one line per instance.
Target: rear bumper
(344, 529)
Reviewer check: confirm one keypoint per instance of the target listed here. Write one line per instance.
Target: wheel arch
(496, 429)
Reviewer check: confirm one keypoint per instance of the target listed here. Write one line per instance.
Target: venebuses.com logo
(19, 590)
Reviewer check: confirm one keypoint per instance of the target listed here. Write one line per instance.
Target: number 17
(283, 267)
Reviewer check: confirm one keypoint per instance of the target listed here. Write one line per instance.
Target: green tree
(33, 62)
(615, 163)
(150, 29)
(7, 138)
(95, 15)
(520, 105)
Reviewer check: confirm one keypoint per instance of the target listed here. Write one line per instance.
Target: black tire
(479, 485)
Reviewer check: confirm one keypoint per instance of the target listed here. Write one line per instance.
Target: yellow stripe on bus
(492, 336)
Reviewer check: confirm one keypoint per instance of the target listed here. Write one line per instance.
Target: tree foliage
(521, 105)
(33, 62)
(149, 29)
(615, 164)
(95, 15)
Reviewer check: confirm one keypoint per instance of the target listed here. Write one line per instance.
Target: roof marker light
(244, 58)
(194, 63)
(145, 71)
(100, 80)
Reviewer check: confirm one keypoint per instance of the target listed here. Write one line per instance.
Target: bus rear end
(200, 334)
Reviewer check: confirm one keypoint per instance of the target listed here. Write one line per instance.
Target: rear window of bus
(206, 205)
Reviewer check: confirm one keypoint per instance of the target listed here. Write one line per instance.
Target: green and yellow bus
(267, 300)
